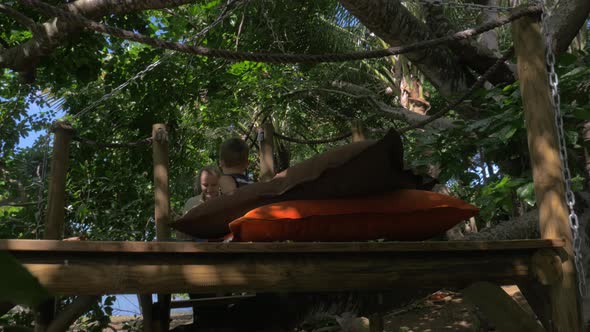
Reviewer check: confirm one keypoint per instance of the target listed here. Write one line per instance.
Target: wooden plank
(69, 273)
(500, 308)
(545, 161)
(295, 247)
(267, 167)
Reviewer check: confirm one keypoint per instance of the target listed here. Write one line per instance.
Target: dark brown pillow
(362, 168)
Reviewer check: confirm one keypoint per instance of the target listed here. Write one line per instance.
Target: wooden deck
(93, 268)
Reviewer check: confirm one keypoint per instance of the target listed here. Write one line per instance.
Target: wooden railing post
(358, 133)
(161, 193)
(56, 207)
(267, 169)
(161, 211)
(56, 200)
(546, 166)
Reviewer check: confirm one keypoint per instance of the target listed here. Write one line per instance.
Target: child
(233, 159)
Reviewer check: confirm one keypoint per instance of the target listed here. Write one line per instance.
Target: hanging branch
(19, 18)
(316, 141)
(278, 57)
(478, 84)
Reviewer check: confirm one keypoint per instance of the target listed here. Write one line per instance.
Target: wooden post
(161, 193)
(500, 308)
(56, 200)
(358, 133)
(146, 305)
(56, 207)
(267, 168)
(546, 165)
(162, 209)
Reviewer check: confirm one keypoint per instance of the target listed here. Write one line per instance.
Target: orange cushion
(404, 215)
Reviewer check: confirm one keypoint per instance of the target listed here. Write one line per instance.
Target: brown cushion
(362, 168)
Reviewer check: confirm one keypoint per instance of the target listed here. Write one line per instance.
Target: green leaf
(573, 72)
(510, 133)
(18, 285)
(567, 59)
(582, 113)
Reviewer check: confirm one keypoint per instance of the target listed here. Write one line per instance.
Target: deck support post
(358, 133)
(56, 200)
(546, 166)
(161, 212)
(56, 206)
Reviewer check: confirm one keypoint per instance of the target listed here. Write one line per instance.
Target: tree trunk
(565, 22)
(586, 145)
(473, 54)
(488, 39)
(393, 23)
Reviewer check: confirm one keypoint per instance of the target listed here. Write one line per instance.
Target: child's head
(207, 182)
(233, 154)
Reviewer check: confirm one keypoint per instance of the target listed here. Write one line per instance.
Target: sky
(127, 305)
(30, 139)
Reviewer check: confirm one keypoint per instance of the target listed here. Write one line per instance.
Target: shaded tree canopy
(113, 90)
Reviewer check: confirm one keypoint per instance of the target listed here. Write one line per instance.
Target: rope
(145, 141)
(224, 13)
(278, 57)
(478, 84)
(313, 142)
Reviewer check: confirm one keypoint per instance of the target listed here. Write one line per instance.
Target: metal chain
(83, 140)
(463, 5)
(569, 194)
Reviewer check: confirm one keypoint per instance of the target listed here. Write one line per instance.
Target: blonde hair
(234, 152)
(211, 169)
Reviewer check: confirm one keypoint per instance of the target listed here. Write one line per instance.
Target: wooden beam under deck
(92, 268)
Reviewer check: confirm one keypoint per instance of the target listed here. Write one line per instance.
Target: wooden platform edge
(279, 247)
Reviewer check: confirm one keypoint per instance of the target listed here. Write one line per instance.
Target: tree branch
(393, 23)
(5, 203)
(24, 57)
(473, 53)
(567, 18)
(19, 17)
(357, 92)
(69, 315)
(401, 114)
